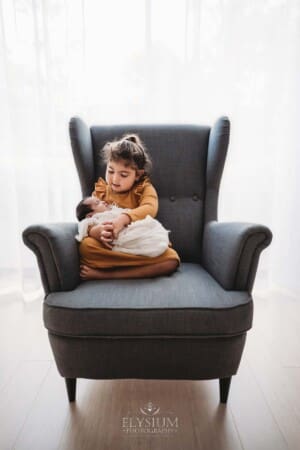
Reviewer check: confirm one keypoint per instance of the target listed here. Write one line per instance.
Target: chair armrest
(231, 252)
(57, 253)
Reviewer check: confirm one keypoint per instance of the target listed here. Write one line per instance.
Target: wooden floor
(262, 413)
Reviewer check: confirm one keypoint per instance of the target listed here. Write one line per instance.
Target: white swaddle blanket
(146, 237)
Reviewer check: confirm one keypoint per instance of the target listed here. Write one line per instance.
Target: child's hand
(107, 234)
(119, 223)
(103, 233)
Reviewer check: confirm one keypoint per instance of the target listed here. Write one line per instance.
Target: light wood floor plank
(7, 370)
(278, 383)
(272, 381)
(202, 424)
(278, 320)
(253, 418)
(212, 421)
(18, 398)
(291, 389)
(44, 425)
(22, 333)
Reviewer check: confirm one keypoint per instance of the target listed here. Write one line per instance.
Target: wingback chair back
(188, 162)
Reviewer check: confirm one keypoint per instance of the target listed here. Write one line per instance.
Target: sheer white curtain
(181, 61)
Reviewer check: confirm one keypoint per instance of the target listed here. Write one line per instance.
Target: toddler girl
(127, 185)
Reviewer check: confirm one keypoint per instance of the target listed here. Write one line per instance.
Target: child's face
(96, 205)
(120, 177)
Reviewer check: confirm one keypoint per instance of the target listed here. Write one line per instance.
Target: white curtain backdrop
(139, 61)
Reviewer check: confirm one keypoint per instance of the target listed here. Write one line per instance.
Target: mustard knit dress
(142, 200)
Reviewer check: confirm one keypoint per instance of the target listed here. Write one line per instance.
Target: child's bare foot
(87, 273)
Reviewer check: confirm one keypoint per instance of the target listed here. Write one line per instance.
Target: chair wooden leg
(71, 388)
(224, 389)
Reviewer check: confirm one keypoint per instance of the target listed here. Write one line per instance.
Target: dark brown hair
(131, 149)
(82, 209)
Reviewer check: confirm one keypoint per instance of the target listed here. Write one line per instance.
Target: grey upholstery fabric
(57, 254)
(217, 151)
(82, 147)
(230, 252)
(176, 358)
(190, 302)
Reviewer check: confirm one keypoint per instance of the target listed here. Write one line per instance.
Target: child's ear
(89, 215)
(139, 173)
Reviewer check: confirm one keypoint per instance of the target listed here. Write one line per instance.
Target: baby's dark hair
(131, 149)
(82, 209)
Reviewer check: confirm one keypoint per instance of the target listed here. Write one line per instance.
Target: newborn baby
(146, 237)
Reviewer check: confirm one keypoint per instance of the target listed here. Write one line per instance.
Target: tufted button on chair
(191, 325)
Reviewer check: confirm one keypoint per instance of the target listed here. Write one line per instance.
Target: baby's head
(90, 206)
(127, 162)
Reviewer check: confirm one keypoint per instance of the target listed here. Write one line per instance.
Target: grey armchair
(191, 325)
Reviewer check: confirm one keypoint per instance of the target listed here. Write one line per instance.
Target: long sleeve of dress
(148, 204)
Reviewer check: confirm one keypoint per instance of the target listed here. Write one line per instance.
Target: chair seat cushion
(189, 302)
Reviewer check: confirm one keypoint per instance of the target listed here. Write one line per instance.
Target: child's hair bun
(132, 138)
